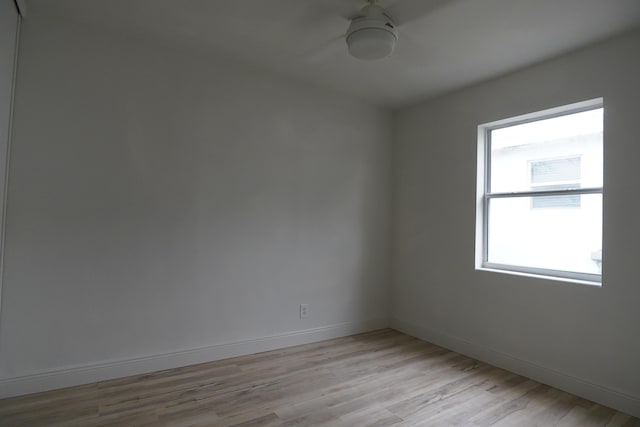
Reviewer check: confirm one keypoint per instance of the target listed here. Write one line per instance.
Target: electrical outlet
(304, 311)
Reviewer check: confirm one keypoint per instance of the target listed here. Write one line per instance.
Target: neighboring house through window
(555, 174)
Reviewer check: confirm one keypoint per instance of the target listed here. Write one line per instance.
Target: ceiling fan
(374, 30)
(372, 34)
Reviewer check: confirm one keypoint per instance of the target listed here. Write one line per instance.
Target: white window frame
(483, 195)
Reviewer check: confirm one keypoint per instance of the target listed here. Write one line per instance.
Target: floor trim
(106, 370)
(597, 393)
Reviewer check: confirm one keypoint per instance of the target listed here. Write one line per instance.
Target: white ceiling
(443, 44)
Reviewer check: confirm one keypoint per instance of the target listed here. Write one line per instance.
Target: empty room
(319, 213)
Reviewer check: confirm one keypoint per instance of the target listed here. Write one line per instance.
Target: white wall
(583, 338)
(161, 202)
(9, 27)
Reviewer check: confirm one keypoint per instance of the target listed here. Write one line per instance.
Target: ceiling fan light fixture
(371, 43)
(373, 35)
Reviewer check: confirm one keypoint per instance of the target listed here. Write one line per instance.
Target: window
(555, 174)
(540, 193)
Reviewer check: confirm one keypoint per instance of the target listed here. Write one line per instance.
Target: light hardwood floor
(379, 378)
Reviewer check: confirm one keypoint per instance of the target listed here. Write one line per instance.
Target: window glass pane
(566, 239)
(555, 150)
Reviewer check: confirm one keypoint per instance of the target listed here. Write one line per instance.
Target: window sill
(541, 276)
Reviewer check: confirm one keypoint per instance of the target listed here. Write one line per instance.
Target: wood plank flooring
(380, 378)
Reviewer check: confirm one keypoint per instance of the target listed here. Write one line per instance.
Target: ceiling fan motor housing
(373, 35)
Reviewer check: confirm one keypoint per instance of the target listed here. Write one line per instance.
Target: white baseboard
(597, 393)
(106, 370)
